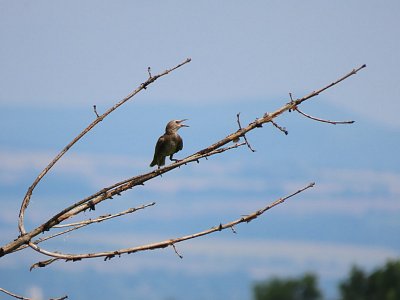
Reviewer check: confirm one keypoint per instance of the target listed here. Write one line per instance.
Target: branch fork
(90, 202)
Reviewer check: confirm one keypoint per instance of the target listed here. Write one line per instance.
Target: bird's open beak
(182, 125)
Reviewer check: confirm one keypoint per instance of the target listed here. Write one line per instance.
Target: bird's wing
(179, 145)
(159, 151)
(160, 146)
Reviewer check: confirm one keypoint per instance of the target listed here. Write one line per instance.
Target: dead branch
(283, 129)
(78, 225)
(170, 242)
(176, 251)
(13, 295)
(244, 136)
(322, 120)
(25, 237)
(116, 189)
(107, 217)
(28, 195)
(24, 298)
(95, 111)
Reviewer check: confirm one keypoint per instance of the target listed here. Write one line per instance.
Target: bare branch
(81, 224)
(24, 237)
(283, 129)
(95, 111)
(118, 188)
(170, 242)
(13, 295)
(28, 195)
(180, 256)
(317, 92)
(42, 264)
(322, 120)
(107, 217)
(244, 136)
(24, 298)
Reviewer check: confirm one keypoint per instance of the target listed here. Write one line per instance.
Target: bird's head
(174, 125)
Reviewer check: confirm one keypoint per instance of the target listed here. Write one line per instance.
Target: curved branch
(24, 237)
(118, 188)
(322, 120)
(166, 243)
(13, 295)
(28, 195)
(24, 298)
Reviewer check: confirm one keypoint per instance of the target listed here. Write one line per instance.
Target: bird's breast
(171, 143)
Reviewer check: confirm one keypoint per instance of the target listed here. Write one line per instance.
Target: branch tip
(283, 129)
(95, 111)
(322, 120)
(176, 251)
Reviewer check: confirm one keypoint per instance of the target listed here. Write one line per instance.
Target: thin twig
(244, 136)
(283, 129)
(296, 108)
(322, 120)
(42, 264)
(180, 256)
(317, 92)
(14, 295)
(107, 217)
(24, 298)
(95, 111)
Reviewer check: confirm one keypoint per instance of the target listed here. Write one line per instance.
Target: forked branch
(116, 189)
(170, 242)
(25, 237)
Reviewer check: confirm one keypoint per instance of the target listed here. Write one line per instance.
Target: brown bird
(169, 143)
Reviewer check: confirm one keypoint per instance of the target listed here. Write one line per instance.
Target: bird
(169, 143)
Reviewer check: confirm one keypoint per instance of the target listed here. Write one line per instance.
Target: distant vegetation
(381, 284)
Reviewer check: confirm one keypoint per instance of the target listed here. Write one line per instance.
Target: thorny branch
(116, 189)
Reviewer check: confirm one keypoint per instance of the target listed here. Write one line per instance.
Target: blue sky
(59, 58)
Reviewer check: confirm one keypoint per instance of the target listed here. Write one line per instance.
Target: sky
(59, 58)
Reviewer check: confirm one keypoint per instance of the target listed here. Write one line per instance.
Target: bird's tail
(153, 163)
(160, 161)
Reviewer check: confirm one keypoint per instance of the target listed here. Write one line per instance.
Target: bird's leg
(173, 159)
